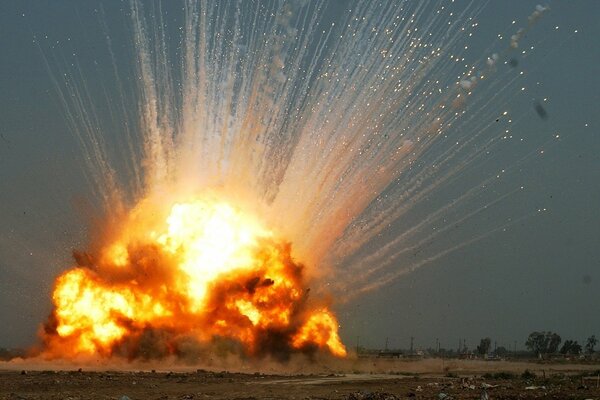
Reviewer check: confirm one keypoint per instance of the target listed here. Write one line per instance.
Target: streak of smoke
(333, 131)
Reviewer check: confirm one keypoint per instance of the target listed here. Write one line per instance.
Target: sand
(349, 379)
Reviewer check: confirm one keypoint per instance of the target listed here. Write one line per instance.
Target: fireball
(201, 271)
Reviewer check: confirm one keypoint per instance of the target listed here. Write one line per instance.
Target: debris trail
(330, 128)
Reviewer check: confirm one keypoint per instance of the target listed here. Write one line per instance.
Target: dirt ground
(363, 380)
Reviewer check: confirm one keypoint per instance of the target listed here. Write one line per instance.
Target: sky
(542, 273)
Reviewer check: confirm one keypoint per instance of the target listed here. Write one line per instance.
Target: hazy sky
(540, 274)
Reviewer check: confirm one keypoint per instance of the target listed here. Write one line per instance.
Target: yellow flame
(248, 309)
(206, 241)
(321, 327)
(211, 239)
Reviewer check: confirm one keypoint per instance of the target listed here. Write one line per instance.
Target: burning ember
(201, 271)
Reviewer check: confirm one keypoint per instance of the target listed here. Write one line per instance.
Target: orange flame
(207, 271)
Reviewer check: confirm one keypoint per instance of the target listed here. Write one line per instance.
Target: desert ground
(349, 379)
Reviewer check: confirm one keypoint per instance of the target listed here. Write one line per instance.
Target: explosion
(338, 132)
(201, 271)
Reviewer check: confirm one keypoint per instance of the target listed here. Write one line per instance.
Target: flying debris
(283, 119)
(532, 19)
(469, 83)
(540, 110)
(537, 13)
(491, 61)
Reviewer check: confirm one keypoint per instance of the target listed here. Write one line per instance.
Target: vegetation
(484, 346)
(571, 347)
(502, 351)
(590, 344)
(542, 343)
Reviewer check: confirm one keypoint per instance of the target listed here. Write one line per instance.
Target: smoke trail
(392, 275)
(334, 129)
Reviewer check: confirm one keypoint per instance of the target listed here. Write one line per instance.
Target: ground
(422, 379)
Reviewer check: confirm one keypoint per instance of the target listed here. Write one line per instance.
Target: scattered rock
(371, 396)
(535, 387)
